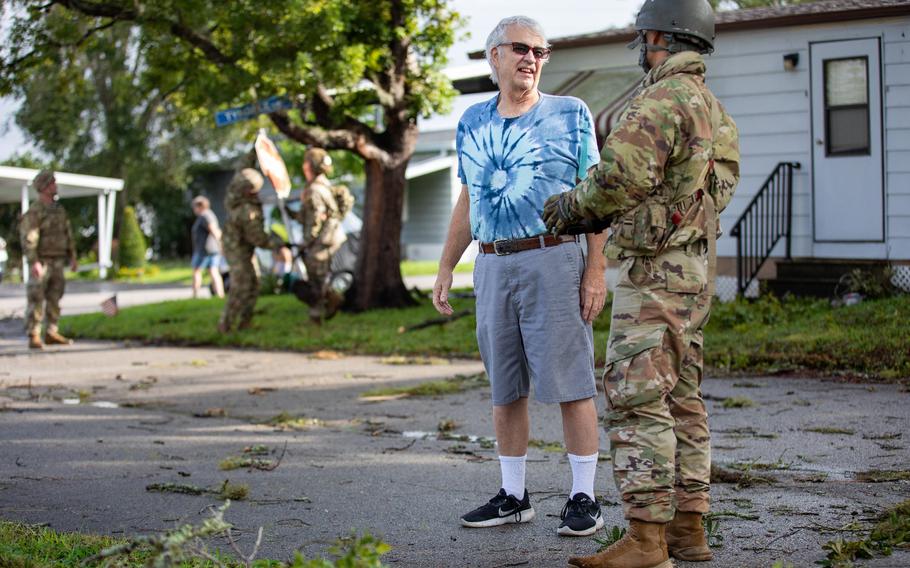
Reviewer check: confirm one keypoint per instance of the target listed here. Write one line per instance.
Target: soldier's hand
(560, 213)
(74, 265)
(37, 269)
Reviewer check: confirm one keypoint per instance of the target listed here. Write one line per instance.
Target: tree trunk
(377, 279)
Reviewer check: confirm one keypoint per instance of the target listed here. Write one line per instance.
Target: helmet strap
(646, 47)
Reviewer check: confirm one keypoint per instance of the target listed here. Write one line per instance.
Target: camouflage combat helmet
(692, 18)
(43, 179)
(319, 160)
(246, 179)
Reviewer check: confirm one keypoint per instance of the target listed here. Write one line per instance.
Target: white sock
(513, 475)
(583, 470)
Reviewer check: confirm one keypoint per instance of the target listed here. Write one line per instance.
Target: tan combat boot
(643, 546)
(34, 341)
(332, 303)
(686, 538)
(54, 338)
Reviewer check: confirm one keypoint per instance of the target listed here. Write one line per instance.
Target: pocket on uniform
(684, 274)
(650, 226)
(632, 340)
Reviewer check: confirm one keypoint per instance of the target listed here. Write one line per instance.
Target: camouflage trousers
(242, 292)
(318, 261)
(656, 419)
(44, 296)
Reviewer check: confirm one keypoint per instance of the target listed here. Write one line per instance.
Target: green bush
(132, 241)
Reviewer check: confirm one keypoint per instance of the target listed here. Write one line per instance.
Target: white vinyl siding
(429, 205)
(771, 107)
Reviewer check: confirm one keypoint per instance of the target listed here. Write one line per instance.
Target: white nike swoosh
(507, 513)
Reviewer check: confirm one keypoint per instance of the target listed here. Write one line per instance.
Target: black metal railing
(767, 219)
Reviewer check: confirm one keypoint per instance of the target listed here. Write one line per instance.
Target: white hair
(498, 36)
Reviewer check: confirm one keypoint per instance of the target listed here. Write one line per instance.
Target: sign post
(252, 110)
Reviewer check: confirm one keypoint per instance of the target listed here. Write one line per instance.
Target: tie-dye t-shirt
(512, 165)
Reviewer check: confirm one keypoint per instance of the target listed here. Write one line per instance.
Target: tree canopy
(359, 75)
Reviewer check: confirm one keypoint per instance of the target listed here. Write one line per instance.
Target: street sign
(252, 110)
(272, 165)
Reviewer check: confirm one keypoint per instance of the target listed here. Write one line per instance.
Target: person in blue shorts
(536, 294)
(206, 235)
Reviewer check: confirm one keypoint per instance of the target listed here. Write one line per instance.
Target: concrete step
(803, 287)
(822, 269)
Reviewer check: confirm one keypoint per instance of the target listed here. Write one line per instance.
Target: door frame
(881, 116)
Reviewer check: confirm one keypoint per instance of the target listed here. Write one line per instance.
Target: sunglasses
(541, 53)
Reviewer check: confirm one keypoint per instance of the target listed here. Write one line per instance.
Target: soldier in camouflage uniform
(668, 168)
(48, 247)
(321, 214)
(242, 233)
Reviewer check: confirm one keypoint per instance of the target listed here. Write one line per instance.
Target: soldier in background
(323, 206)
(243, 232)
(48, 247)
(667, 170)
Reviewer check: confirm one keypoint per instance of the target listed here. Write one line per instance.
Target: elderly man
(669, 167)
(536, 294)
(48, 247)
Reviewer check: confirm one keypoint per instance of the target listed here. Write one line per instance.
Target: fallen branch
(436, 321)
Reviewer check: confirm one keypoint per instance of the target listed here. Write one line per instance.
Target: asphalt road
(84, 465)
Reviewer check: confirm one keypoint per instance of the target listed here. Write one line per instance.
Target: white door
(848, 171)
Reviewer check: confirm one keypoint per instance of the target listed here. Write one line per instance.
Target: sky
(557, 17)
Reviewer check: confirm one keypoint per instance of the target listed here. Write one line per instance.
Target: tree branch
(178, 29)
(359, 141)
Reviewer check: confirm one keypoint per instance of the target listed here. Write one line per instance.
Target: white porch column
(102, 234)
(109, 229)
(25, 267)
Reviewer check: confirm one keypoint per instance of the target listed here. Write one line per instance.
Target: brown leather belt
(504, 247)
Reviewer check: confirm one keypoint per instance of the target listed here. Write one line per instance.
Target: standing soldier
(667, 169)
(243, 232)
(322, 209)
(48, 247)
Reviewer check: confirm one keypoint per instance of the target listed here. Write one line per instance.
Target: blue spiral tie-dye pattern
(512, 165)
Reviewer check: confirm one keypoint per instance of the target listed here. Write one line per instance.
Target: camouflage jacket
(243, 230)
(673, 139)
(320, 215)
(45, 233)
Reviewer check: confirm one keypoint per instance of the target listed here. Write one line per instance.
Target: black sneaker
(502, 509)
(580, 517)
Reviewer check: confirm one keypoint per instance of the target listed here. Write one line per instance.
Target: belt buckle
(505, 250)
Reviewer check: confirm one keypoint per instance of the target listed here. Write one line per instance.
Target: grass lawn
(34, 546)
(178, 271)
(768, 335)
(430, 267)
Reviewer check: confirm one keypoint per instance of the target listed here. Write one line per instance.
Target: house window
(847, 106)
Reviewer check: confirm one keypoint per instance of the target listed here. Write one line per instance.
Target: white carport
(15, 186)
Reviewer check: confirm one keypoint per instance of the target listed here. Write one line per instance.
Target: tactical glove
(559, 213)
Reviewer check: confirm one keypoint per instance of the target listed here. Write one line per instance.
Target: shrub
(132, 241)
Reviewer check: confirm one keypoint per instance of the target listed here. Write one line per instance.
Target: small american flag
(109, 306)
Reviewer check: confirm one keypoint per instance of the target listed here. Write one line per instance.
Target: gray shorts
(529, 325)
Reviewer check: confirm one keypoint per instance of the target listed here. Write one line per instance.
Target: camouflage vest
(322, 215)
(243, 231)
(45, 232)
(701, 168)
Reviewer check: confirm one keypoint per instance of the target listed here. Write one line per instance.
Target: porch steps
(814, 277)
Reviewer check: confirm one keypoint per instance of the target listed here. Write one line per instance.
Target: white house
(824, 85)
